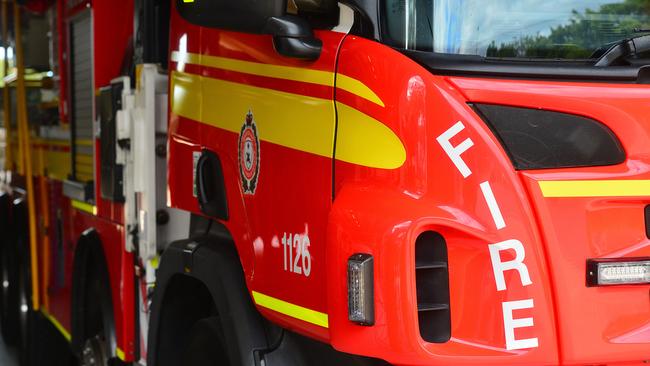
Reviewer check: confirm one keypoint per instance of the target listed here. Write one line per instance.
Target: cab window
(526, 29)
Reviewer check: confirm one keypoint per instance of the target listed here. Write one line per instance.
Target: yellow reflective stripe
(84, 177)
(357, 88)
(57, 164)
(84, 142)
(595, 188)
(292, 120)
(365, 141)
(300, 74)
(57, 325)
(292, 310)
(282, 118)
(120, 354)
(85, 207)
(155, 262)
(84, 159)
(51, 142)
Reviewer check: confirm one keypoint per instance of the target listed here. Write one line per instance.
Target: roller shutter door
(82, 96)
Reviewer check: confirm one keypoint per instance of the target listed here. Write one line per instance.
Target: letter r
(499, 267)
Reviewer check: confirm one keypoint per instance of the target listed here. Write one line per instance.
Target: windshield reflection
(565, 29)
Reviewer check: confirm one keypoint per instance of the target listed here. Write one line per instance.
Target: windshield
(542, 29)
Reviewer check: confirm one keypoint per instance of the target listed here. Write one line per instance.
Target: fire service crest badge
(249, 155)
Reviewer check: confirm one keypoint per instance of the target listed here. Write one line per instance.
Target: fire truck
(318, 182)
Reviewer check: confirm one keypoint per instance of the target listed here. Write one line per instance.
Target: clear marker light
(361, 307)
(632, 271)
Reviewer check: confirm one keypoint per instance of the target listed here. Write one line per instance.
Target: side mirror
(293, 37)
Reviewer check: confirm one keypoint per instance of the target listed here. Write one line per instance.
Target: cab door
(265, 107)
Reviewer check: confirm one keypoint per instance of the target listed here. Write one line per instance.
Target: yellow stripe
(595, 188)
(282, 118)
(51, 142)
(120, 354)
(155, 262)
(57, 325)
(301, 74)
(365, 141)
(357, 88)
(84, 142)
(294, 311)
(82, 177)
(84, 159)
(85, 207)
(295, 121)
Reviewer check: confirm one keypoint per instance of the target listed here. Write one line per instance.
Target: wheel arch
(209, 262)
(90, 264)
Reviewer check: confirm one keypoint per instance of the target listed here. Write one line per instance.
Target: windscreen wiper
(625, 48)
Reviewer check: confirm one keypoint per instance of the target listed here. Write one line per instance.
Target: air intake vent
(432, 282)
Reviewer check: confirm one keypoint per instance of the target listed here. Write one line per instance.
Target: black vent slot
(432, 282)
(647, 221)
(210, 186)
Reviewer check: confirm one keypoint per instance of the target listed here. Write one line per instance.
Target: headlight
(626, 271)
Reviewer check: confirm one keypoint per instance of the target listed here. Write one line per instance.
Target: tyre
(205, 317)
(8, 275)
(26, 316)
(9, 288)
(94, 352)
(39, 342)
(205, 344)
(98, 338)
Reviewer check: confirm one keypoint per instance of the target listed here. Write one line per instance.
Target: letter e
(510, 324)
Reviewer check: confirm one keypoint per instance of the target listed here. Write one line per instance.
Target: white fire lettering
(510, 323)
(454, 152)
(517, 264)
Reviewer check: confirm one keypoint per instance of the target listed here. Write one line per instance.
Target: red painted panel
(382, 212)
(61, 257)
(596, 325)
(573, 324)
(66, 226)
(112, 42)
(121, 273)
(293, 194)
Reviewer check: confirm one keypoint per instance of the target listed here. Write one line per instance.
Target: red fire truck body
(393, 181)
(396, 203)
(104, 216)
(61, 260)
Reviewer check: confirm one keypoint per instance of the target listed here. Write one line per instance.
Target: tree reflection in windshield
(548, 29)
(583, 35)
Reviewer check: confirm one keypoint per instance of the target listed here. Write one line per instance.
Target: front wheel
(205, 344)
(9, 288)
(94, 352)
(26, 313)
(96, 347)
